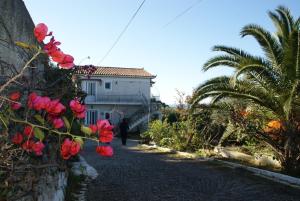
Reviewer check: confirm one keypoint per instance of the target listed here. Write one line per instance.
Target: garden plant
(35, 124)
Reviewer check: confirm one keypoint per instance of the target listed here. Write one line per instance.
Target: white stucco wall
(120, 85)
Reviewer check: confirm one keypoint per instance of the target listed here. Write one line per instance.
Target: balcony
(135, 99)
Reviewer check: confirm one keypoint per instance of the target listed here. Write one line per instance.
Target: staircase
(143, 115)
(137, 120)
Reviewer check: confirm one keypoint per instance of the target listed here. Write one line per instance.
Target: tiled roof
(113, 71)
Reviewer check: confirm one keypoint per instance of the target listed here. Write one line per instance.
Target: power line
(121, 34)
(182, 13)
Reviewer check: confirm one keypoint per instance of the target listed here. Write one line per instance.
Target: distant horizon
(171, 39)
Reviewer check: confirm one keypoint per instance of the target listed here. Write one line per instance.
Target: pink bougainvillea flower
(40, 32)
(51, 47)
(75, 148)
(102, 124)
(28, 131)
(41, 103)
(67, 62)
(94, 128)
(15, 106)
(31, 98)
(17, 138)
(38, 148)
(58, 56)
(27, 146)
(105, 151)
(15, 96)
(55, 108)
(105, 136)
(65, 149)
(58, 123)
(69, 148)
(77, 109)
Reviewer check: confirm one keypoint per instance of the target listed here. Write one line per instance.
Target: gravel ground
(134, 174)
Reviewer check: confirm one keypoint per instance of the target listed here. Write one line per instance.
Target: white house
(117, 93)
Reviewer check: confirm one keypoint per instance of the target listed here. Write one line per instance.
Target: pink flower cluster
(69, 148)
(65, 61)
(105, 133)
(15, 96)
(53, 108)
(77, 109)
(29, 145)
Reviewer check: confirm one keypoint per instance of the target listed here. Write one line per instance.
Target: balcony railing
(116, 99)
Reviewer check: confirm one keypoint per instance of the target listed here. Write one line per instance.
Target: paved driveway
(135, 175)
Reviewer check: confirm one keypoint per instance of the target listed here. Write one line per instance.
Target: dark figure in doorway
(107, 117)
(124, 130)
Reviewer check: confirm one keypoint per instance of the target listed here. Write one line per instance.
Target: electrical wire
(182, 13)
(122, 33)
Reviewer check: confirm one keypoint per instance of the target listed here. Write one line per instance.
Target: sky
(173, 50)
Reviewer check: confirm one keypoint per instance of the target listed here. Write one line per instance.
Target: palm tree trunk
(291, 160)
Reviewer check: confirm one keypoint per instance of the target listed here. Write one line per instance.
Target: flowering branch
(48, 112)
(51, 130)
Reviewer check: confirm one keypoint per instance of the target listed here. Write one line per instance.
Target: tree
(271, 81)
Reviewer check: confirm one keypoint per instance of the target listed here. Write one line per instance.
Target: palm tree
(271, 81)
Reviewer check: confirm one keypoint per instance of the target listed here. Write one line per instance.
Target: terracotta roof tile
(113, 71)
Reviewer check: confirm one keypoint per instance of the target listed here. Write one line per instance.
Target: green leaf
(4, 121)
(22, 45)
(79, 140)
(39, 118)
(86, 130)
(67, 123)
(39, 134)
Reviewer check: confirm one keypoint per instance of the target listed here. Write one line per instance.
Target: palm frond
(223, 60)
(286, 17)
(268, 42)
(231, 51)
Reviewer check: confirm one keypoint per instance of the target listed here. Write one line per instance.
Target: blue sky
(175, 53)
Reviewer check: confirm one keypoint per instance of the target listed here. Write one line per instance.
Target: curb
(277, 177)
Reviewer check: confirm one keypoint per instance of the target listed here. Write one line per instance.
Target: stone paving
(137, 175)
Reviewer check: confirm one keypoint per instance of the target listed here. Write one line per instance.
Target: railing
(115, 99)
(143, 114)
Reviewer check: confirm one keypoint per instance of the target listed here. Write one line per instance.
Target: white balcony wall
(120, 86)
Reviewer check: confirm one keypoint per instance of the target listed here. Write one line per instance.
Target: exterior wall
(120, 86)
(15, 25)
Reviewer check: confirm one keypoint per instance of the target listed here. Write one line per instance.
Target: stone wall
(49, 185)
(16, 25)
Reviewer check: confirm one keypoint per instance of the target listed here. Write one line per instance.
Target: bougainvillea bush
(32, 121)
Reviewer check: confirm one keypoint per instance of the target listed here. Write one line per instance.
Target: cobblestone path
(136, 175)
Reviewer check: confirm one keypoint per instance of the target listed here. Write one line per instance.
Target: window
(91, 117)
(91, 88)
(107, 85)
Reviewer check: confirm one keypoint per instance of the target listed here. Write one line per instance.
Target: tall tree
(271, 81)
